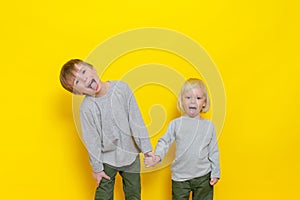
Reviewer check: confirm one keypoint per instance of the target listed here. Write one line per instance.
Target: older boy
(112, 128)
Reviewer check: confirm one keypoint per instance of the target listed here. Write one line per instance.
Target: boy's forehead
(194, 90)
(77, 67)
(71, 77)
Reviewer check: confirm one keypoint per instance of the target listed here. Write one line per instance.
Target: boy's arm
(213, 155)
(165, 141)
(137, 126)
(92, 139)
(162, 147)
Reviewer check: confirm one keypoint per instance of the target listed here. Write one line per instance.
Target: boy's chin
(90, 93)
(193, 115)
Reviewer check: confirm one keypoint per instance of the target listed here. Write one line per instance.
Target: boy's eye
(83, 72)
(187, 97)
(199, 98)
(76, 82)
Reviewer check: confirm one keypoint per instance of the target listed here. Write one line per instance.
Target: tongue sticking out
(93, 85)
(192, 110)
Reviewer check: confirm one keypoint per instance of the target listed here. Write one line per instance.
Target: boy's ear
(204, 104)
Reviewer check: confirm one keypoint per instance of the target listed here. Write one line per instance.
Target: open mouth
(192, 108)
(93, 84)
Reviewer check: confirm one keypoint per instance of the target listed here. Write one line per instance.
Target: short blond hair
(191, 84)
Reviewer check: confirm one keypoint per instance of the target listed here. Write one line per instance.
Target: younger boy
(196, 167)
(112, 128)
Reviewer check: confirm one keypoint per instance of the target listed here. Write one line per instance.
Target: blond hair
(191, 84)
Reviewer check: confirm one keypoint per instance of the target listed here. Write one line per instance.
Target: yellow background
(255, 45)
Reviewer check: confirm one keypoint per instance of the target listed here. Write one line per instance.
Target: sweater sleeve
(165, 141)
(213, 155)
(91, 135)
(137, 126)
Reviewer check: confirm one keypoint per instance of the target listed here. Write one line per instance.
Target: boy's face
(193, 101)
(87, 81)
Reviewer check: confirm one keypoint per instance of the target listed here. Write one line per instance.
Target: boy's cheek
(77, 91)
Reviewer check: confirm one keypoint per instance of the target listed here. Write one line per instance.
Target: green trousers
(200, 188)
(130, 178)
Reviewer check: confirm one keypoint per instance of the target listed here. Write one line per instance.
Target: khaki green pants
(200, 188)
(131, 182)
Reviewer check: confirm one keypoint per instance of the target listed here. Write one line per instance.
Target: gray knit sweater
(197, 151)
(112, 127)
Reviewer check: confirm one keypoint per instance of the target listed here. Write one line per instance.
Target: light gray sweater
(197, 151)
(113, 129)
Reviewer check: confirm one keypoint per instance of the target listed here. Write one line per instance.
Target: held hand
(99, 175)
(213, 181)
(148, 154)
(151, 161)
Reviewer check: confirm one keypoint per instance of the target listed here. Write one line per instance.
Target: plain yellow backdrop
(255, 45)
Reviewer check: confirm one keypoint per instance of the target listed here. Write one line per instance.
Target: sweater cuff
(99, 168)
(215, 175)
(147, 151)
